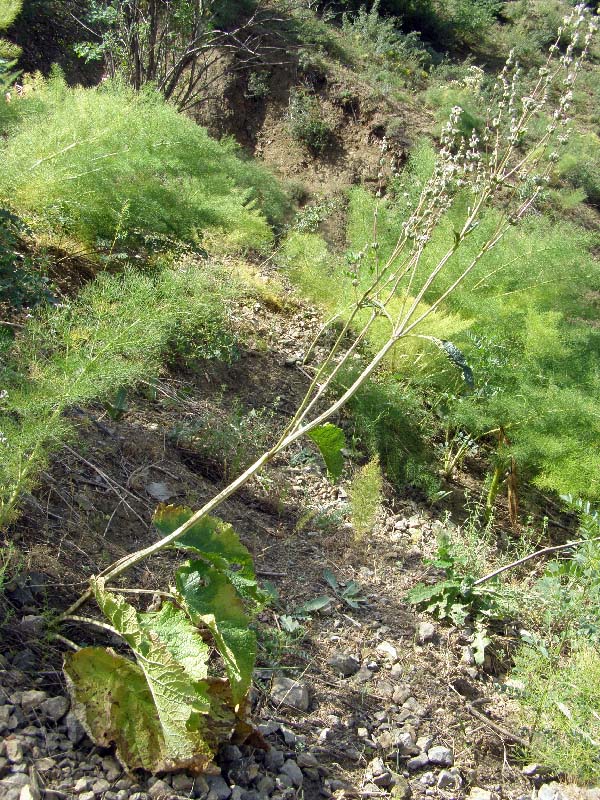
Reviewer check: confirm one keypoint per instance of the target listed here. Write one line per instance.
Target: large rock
(288, 692)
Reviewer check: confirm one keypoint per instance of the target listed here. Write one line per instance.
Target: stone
(401, 694)
(550, 791)
(111, 768)
(384, 781)
(448, 780)
(289, 737)
(417, 762)
(477, 793)
(160, 789)
(100, 786)
(29, 792)
(268, 728)
(55, 708)
(388, 651)
(294, 773)
(31, 699)
(10, 787)
(428, 779)
(425, 743)
(32, 625)
(344, 664)
(401, 789)
(426, 632)
(307, 760)
(182, 783)
(217, 787)
(45, 764)
(87, 796)
(441, 755)
(274, 759)
(286, 691)
(266, 785)
(81, 785)
(14, 750)
(75, 730)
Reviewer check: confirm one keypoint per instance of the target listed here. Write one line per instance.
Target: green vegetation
(306, 124)
(562, 695)
(113, 335)
(365, 497)
(506, 369)
(94, 163)
(167, 711)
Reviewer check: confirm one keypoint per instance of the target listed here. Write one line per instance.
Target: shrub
(307, 124)
(112, 336)
(76, 158)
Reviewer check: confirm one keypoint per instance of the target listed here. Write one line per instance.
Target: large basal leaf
(330, 440)
(212, 599)
(112, 699)
(217, 542)
(174, 716)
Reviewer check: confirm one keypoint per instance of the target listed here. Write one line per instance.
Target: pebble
(417, 762)
(182, 783)
(441, 755)
(75, 730)
(55, 707)
(14, 750)
(388, 651)
(477, 793)
(550, 791)
(448, 780)
(32, 699)
(293, 771)
(217, 787)
(345, 664)
(426, 632)
(286, 691)
(401, 789)
(307, 760)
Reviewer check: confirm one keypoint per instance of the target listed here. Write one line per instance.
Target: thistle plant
(497, 167)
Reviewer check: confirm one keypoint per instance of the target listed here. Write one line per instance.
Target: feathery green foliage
(562, 698)
(365, 496)
(113, 335)
(76, 159)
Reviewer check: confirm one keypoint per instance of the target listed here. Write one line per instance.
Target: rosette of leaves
(168, 709)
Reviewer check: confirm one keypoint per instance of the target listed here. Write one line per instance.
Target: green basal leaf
(330, 440)
(212, 599)
(316, 604)
(331, 579)
(215, 541)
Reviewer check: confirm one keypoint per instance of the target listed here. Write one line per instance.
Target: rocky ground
(373, 701)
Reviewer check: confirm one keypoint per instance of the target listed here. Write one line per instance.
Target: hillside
(300, 437)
